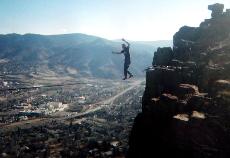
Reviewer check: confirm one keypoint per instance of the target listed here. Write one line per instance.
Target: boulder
(176, 63)
(162, 79)
(198, 102)
(208, 75)
(227, 13)
(163, 56)
(188, 89)
(221, 88)
(217, 9)
(184, 37)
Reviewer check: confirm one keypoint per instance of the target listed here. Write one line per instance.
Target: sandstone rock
(198, 115)
(223, 84)
(150, 137)
(221, 88)
(183, 136)
(189, 42)
(153, 82)
(227, 13)
(163, 107)
(177, 118)
(170, 78)
(189, 75)
(161, 79)
(205, 24)
(208, 76)
(166, 97)
(225, 96)
(168, 105)
(194, 135)
(176, 63)
(198, 102)
(151, 105)
(190, 64)
(163, 56)
(182, 117)
(217, 10)
(185, 89)
(185, 33)
(4, 155)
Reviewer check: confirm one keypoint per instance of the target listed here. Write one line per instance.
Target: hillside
(71, 54)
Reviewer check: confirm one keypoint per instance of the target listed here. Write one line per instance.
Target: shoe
(124, 78)
(130, 76)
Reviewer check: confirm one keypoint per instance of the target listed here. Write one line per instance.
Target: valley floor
(95, 122)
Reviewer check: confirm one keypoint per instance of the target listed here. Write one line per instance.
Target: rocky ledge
(185, 106)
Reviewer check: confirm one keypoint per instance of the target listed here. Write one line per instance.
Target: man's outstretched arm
(125, 41)
(117, 52)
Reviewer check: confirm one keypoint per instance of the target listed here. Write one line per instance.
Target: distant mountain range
(76, 54)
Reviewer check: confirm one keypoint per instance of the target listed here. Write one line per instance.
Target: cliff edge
(185, 106)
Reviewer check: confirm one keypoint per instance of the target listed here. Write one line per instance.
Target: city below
(59, 116)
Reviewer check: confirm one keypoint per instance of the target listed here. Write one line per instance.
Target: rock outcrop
(163, 56)
(185, 106)
(217, 10)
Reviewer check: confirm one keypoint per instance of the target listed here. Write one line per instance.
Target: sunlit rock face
(185, 106)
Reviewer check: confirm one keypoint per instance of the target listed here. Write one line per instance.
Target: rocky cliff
(185, 106)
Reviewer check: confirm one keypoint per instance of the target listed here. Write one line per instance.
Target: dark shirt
(126, 53)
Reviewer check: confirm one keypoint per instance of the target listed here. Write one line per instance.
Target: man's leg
(126, 66)
(130, 74)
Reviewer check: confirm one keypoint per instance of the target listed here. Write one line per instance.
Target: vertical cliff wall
(185, 106)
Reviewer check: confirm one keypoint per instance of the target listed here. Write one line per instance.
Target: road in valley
(71, 115)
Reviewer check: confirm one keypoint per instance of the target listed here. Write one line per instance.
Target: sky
(140, 20)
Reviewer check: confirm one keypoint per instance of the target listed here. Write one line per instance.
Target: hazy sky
(112, 19)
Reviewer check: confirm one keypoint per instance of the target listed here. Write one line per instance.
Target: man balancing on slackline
(125, 51)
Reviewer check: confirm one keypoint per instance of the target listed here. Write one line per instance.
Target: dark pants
(126, 71)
